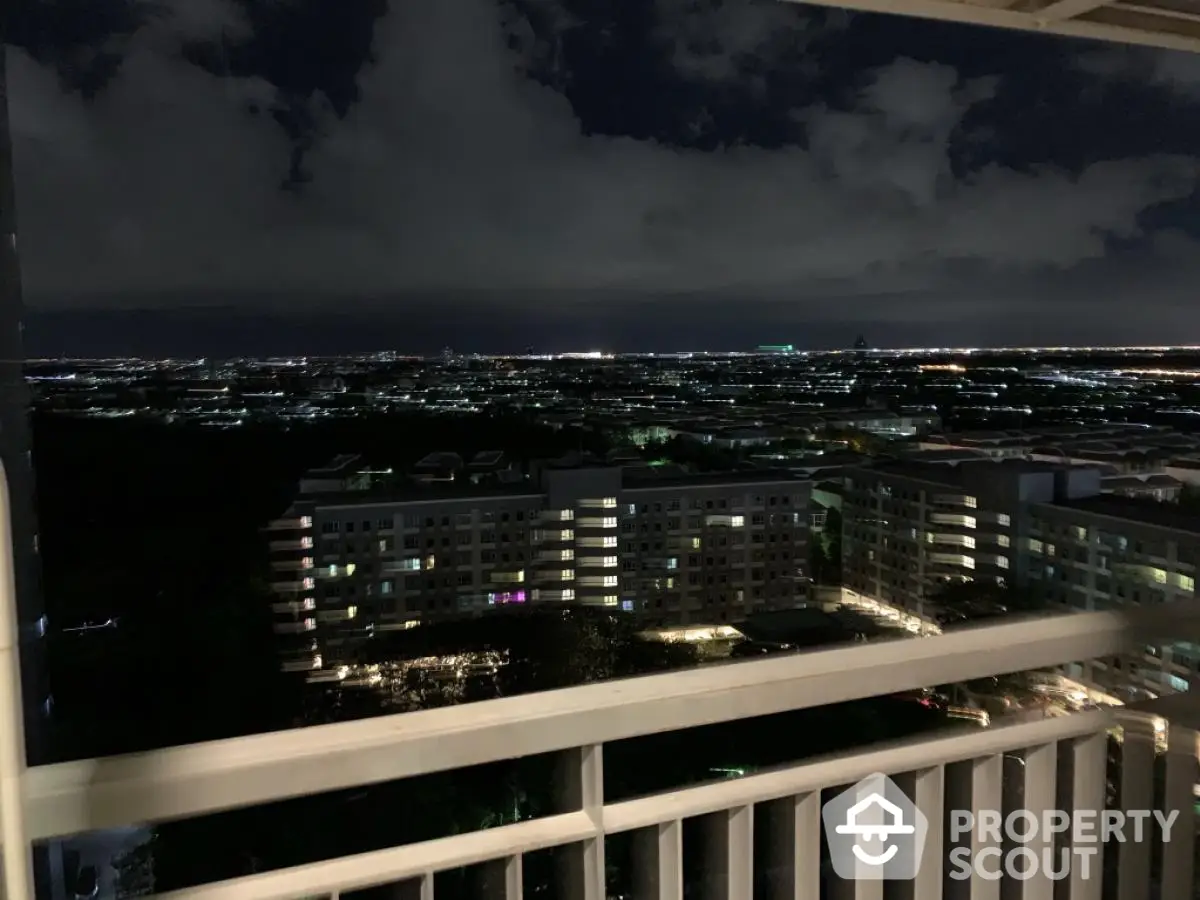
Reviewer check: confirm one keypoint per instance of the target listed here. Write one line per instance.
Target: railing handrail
(183, 781)
(440, 854)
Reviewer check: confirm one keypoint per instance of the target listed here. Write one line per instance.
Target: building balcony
(1046, 762)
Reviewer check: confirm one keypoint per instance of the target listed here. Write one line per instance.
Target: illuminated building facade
(910, 528)
(684, 550)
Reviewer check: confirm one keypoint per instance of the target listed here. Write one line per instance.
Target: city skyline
(660, 178)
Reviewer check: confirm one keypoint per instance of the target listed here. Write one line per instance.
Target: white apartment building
(1101, 552)
(674, 549)
(909, 528)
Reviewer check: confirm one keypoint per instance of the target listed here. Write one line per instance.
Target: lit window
(1004, 519)
(695, 543)
(673, 563)
(568, 574)
(412, 564)
(1004, 540)
(351, 612)
(609, 562)
(1160, 576)
(608, 522)
(970, 502)
(306, 562)
(568, 594)
(609, 502)
(306, 521)
(567, 555)
(430, 562)
(310, 624)
(333, 570)
(350, 567)
(611, 599)
(610, 540)
(566, 535)
(306, 543)
(610, 580)
(1187, 583)
(737, 521)
(1002, 562)
(309, 583)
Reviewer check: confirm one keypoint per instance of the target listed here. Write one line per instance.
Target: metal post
(14, 844)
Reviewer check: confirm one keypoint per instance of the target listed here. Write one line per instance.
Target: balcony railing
(1062, 757)
(1062, 761)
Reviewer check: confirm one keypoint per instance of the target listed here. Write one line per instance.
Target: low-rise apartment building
(674, 548)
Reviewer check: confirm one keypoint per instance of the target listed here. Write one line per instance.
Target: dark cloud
(444, 168)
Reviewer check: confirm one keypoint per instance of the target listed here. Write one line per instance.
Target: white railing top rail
(417, 860)
(178, 782)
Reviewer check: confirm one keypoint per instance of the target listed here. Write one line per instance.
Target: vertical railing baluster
(658, 862)
(1136, 795)
(580, 786)
(1089, 777)
(414, 888)
(503, 879)
(976, 786)
(729, 854)
(1179, 797)
(927, 789)
(1032, 785)
(793, 827)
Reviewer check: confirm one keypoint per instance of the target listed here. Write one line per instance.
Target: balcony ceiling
(1170, 24)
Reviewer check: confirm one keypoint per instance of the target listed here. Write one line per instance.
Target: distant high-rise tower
(860, 346)
(15, 454)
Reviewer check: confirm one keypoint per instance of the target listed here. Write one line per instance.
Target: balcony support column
(793, 831)
(729, 854)
(580, 786)
(1137, 793)
(658, 862)
(16, 857)
(1178, 863)
(975, 785)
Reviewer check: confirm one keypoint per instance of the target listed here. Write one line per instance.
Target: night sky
(268, 176)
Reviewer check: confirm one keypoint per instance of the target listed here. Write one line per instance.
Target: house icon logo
(874, 831)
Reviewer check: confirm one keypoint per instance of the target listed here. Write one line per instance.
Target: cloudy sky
(270, 175)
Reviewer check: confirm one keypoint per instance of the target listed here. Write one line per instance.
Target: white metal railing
(1063, 762)
(184, 781)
